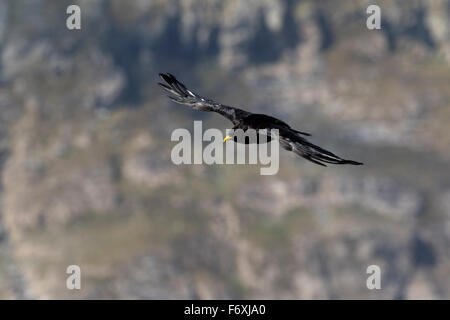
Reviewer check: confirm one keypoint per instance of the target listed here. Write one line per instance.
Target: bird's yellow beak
(227, 138)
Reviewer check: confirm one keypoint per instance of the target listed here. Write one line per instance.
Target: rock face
(85, 150)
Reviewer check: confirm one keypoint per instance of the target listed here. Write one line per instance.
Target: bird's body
(290, 139)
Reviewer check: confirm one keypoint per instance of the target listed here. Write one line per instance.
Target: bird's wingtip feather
(163, 85)
(166, 78)
(355, 163)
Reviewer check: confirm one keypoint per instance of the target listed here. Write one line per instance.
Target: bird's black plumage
(290, 139)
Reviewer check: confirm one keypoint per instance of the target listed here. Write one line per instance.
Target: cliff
(85, 150)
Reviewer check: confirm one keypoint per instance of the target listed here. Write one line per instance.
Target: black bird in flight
(290, 139)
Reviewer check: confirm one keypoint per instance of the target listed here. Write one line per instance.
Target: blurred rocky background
(86, 175)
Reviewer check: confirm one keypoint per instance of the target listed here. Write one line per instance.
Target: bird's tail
(319, 155)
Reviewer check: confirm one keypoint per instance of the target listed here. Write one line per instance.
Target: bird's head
(235, 132)
(241, 135)
(227, 138)
(230, 135)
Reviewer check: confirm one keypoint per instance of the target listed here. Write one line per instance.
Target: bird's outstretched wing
(292, 141)
(184, 96)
